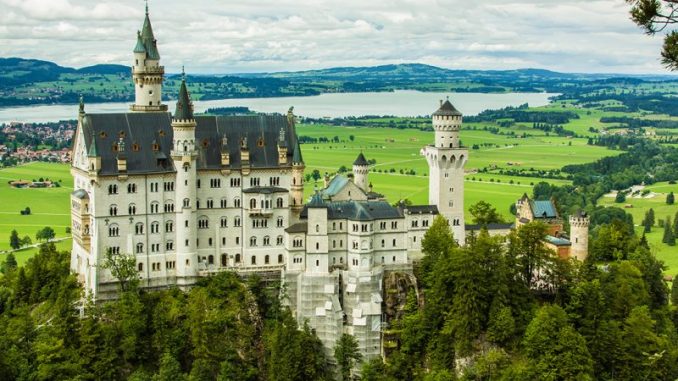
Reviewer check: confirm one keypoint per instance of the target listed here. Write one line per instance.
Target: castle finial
(146, 7)
(183, 73)
(82, 104)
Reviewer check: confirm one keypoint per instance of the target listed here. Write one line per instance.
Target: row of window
(168, 186)
(415, 223)
(170, 265)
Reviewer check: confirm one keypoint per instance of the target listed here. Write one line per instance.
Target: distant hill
(105, 69)
(112, 83)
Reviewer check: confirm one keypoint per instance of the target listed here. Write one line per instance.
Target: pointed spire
(139, 47)
(296, 156)
(361, 161)
(184, 109)
(148, 39)
(92, 152)
(81, 108)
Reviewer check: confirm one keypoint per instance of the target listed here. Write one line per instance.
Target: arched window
(317, 246)
(266, 259)
(236, 221)
(237, 258)
(223, 260)
(253, 203)
(155, 227)
(139, 228)
(253, 241)
(203, 223)
(169, 226)
(113, 230)
(254, 260)
(279, 240)
(210, 260)
(132, 209)
(140, 248)
(187, 203)
(236, 202)
(140, 267)
(280, 258)
(113, 210)
(224, 222)
(155, 207)
(279, 202)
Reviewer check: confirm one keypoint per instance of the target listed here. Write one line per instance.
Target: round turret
(447, 122)
(360, 172)
(579, 235)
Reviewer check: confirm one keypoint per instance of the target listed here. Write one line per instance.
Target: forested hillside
(495, 309)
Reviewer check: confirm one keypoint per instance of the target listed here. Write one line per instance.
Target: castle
(190, 195)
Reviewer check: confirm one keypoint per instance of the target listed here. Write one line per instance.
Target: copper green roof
(543, 209)
(93, 149)
(139, 48)
(296, 157)
(184, 110)
(148, 39)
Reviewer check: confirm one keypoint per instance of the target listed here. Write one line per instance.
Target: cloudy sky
(216, 36)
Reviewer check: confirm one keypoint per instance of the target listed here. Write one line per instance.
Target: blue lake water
(398, 103)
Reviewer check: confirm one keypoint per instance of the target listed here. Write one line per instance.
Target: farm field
(398, 149)
(49, 206)
(664, 252)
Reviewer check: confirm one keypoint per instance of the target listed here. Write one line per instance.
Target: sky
(220, 37)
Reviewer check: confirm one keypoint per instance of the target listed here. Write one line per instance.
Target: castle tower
(147, 73)
(317, 246)
(360, 172)
(446, 160)
(579, 236)
(297, 188)
(184, 156)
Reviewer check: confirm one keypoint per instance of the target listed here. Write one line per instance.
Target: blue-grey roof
(141, 130)
(81, 194)
(300, 227)
(557, 241)
(335, 186)
(317, 201)
(543, 209)
(359, 211)
(418, 209)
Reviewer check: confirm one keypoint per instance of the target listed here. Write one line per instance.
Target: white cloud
(221, 37)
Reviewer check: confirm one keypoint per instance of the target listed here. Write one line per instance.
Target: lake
(398, 103)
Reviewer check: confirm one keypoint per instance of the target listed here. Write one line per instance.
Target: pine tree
(670, 198)
(668, 238)
(9, 264)
(14, 241)
(674, 290)
(347, 354)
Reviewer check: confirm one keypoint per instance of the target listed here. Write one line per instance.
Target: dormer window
(260, 142)
(135, 147)
(156, 147)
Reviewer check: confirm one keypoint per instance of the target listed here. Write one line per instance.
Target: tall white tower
(446, 160)
(360, 172)
(184, 156)
(147, 72)
(579, 236)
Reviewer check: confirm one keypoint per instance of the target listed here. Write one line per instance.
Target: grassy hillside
(49, 206)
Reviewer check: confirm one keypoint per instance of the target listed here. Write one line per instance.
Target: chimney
(326, 180)
(441, 102)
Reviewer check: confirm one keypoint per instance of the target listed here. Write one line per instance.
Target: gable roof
(543, 209)
(335, 186)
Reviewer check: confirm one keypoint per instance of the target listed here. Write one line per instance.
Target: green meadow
(399, 149)
(49, 206)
